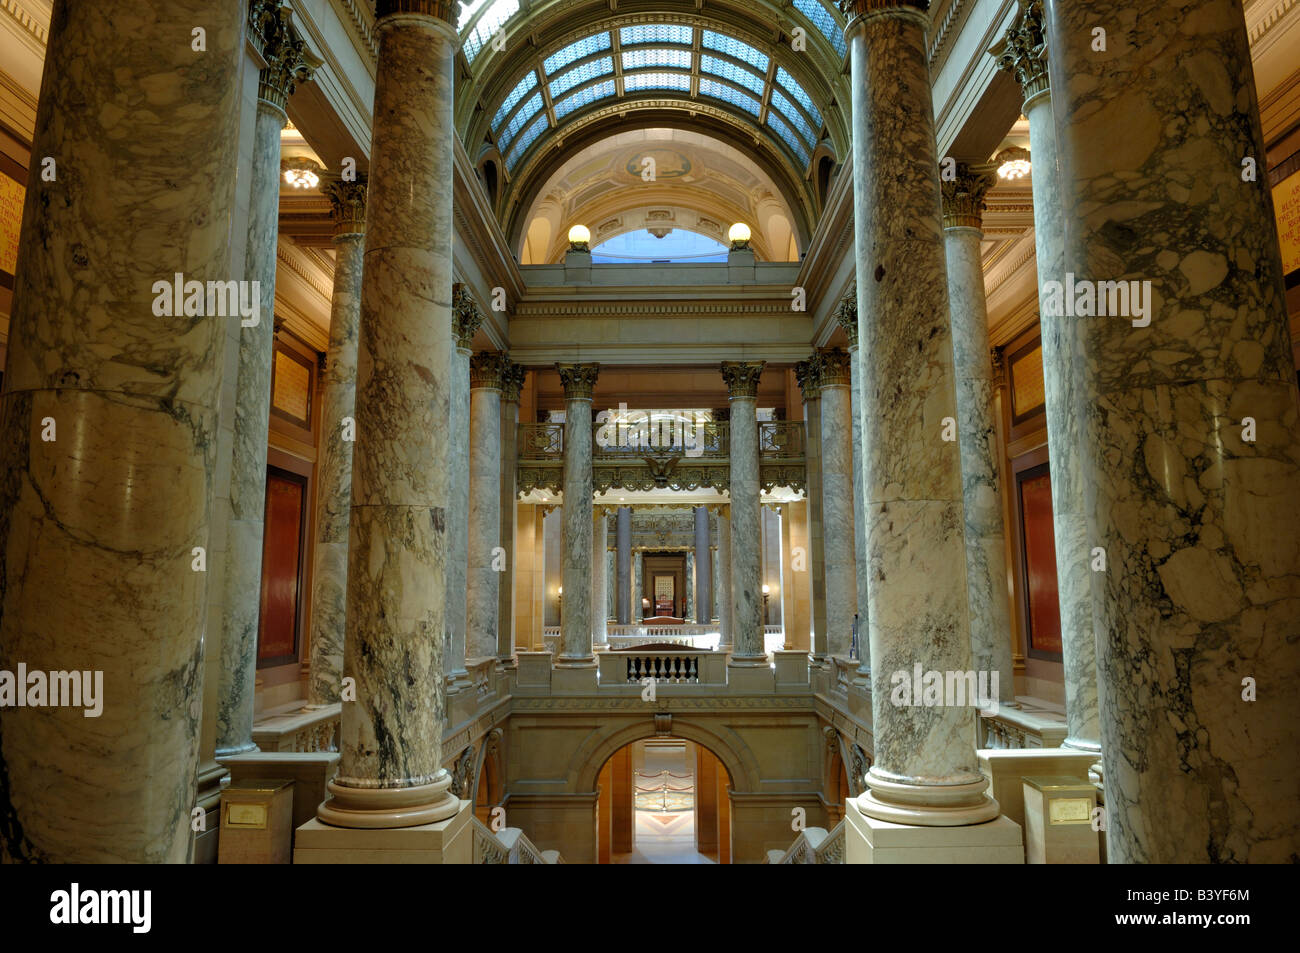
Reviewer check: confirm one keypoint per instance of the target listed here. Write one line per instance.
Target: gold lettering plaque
(246, 815)
(1069, 810)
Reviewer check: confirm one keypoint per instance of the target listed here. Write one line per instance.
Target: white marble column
(809, 375)
(576, 626)
(623, 565)
(841, 567)
(289, 64)
(977, 431)
(1023, 52)
(1191, 444)
(638, 585)
(925, 772)
(512, 382)
(726, 637)
(703, 567)
(688, 605)
(746, 568)
(391, 772)
(466, 318)
(486, 373)
(97, 561)
(847, 317)
(599, 600)
(329, 584)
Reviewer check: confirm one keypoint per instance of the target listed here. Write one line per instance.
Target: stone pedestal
(449, 841)
(1059, 820)
(868, 840)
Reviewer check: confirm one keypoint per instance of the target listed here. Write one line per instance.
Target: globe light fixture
(740, 236)
(301, 173)
(579, 238)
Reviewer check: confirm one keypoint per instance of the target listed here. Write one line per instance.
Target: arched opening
(825, 168)
(491, 181)
(663, 800)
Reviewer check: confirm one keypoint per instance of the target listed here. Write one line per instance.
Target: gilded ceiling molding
(36, 32)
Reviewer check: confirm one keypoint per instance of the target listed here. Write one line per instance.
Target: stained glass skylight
(821, 18)
(526, 86)
(782, 129)
(581, 74)
(519, 120)
(794, 89)
(584, 97)
(650, 57)
(527, 139)
(734, 48)
(729, 94)
(576, 51)
(493, 18)
(795, 117)
(656, 33)
(674, 81)
(729, 70)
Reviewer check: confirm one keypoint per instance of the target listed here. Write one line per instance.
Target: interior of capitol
(651, 432)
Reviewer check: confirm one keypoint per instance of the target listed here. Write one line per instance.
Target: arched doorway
(663, 800)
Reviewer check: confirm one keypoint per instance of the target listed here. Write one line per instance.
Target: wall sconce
(767, 592)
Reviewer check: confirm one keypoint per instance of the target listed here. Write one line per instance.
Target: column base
(1082, 744)
(746, 676)
(449, 841)
(575, 661)
(575, 678)
(927, 805)
(388, 808)
(869, 840)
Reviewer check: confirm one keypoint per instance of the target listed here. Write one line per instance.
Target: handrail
(813, 846)
(510, 846)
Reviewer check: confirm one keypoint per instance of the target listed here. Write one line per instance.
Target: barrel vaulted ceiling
(541, 80)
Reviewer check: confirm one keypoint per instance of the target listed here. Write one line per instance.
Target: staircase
(509, 846)
(812, 846)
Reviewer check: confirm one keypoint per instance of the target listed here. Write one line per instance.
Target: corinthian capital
(742, 377)
(466, 318)
(579, 380)
(512, 381)
(809, 375)
(846, 314)
(347, 205)
(487, 369)
(963, 197)
(1023, 50)
(288, 61)
(836, 367)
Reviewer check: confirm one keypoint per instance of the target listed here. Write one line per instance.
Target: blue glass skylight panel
(526, 86)
(734, 48)
(493, 18)
(583, 98)
(519, 120)
(795, 117)
(576, 51)
(581, 74)
(676, 81)
(526, 140)
(467, 10)
(782, 129)
(823, 21)
(656, 59)
(655, 33)
(737, 74)
(794, 89)
(728, 94)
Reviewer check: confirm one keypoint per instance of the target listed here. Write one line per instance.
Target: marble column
(97, 557)
(841, 567)
(925, 772)
(808, 374)
(611, 582)
(703, 567)
(977, 431)
(338, 392)
(512, 382)
(638, 585)
(1189, 426)
(288, 64)
(576, 626)
(726, 637)
(623, 565)
(391, 772)
(746, 568)
(688, 605)
(486, 372)
(466, 319)
(1023, 52)
(599, 599)
(847, 317)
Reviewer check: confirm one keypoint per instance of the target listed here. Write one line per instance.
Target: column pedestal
(869, 840)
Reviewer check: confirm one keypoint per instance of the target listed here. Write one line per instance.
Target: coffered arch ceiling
(542, 80)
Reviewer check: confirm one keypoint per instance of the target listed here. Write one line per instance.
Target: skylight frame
(737, 93)
(520, 118)
(656, 34)
(526, 140)
(823, 20)
(646, 74)
(672, 58)
(791, 86)
(736, 49)
(584, 73)
(518, 94)
(566, 106)
(491, 18)
(734, 67)
(562, 59)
